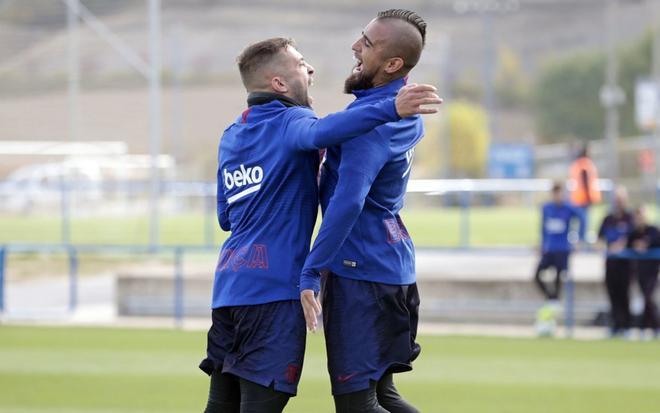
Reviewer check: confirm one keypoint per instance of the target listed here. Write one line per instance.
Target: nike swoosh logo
(346, 377)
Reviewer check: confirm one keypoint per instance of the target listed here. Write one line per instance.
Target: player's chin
(354, 77)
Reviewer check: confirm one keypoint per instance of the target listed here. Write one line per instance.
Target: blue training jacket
(556, 224)
(363, 184)
(268, 195)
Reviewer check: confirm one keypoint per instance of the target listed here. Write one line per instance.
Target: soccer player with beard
(370, 296)
(268, 198)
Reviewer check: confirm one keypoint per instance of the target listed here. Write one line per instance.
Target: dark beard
(358, 81)
(301, 97)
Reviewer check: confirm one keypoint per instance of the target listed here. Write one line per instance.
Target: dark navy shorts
(370, 331)
(263, 343)
(556, 259)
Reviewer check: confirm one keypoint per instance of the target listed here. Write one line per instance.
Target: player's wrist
(310, 280)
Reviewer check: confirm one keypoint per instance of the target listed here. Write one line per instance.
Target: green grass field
(428, 227)
(46, 370)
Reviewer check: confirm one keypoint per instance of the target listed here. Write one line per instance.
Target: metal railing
(73, 253)
(465, 188)
(61, 194)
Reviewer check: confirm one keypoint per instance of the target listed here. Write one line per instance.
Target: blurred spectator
(645, 237)
(584, 179)
(556, 220)
(614, 231)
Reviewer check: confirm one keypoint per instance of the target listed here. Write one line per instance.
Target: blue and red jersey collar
(391, 88)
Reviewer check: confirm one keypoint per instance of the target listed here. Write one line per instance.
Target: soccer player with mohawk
(370, 296)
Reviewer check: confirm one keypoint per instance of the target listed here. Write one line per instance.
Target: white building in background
(95, 175)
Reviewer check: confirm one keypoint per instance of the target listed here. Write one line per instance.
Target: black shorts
(262, 343)
(555, 259)
(370, 330)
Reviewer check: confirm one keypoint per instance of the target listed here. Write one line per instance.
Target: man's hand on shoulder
(413, 100)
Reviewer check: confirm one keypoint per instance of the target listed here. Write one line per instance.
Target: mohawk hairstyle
(407, 16)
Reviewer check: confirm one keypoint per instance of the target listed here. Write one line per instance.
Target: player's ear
(393, 65)
(279, 85)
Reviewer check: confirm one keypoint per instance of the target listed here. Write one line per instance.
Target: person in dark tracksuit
(645, 238)
(614, 231)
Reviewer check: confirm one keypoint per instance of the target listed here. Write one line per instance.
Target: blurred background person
(558, 217)
(614, 232)
(584, 187)
(643, 239)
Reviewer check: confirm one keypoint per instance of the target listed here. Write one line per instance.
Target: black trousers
(231, 394)
(617, 282)
(558, 261)
(380, 397)
(549, 294)
(647, 277)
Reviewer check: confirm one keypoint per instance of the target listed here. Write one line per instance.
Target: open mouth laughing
(358, 65)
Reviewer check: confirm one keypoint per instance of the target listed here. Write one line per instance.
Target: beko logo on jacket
(250, 176)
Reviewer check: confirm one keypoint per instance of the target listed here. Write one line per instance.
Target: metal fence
(466, 191)
(68, 199)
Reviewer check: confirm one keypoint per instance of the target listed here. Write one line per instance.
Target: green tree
(566, 98)
(455, 142)
(429, 153)
(566, 95)
(469, 139)
(511, 84)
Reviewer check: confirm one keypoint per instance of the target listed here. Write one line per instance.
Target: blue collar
(391, 88)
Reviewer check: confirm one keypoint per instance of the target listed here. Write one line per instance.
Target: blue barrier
(73, 279)
(631, 254)
(569, 305)
(178, 252)
(65, 211)
(73, 253)
(178, 287)
(466, 201)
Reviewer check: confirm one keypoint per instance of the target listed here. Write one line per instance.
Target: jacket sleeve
(361, 161)
(307, 132)
(544, 234)
(221, 205)
(602, 229)
(655, 238)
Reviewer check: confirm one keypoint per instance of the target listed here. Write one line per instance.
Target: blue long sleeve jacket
(556, 224)
(363, 184)
(268, 194)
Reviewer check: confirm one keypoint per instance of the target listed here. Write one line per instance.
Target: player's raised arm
(362, 159)
(309, 133)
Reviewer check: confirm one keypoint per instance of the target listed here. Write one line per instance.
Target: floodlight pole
(445, 93)
(488, 9)
(151, 71)
(73, 26)
(73, 45)
(155, 126)
(611, 94)
(177, 107)
(654, 12)
(489, 66)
